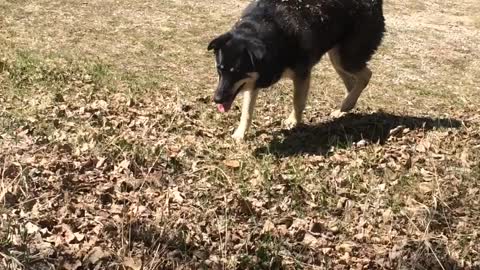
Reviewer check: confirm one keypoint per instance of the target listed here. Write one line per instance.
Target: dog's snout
(218, 98)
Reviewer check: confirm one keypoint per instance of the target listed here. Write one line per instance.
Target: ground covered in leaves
(112, 155)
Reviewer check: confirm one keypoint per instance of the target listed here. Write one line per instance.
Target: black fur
(275, 35)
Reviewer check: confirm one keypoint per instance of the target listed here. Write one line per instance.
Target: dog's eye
(221, 67)
(234, 70)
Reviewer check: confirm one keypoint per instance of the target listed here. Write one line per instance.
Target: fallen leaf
(423, 146)
(426, 187)
(100, 105)
(177, 196)
(133, 263)
(310, 240)
(396, 131)
(79, 236)
(72, 266)
(345, 258)
(100, 162)
(244, 206)
(68, 233)
(362, 143)
(31, 228)
(345, 247)
(464, 158)
(268, 227)
(387, 215)
(124, 164)
(96, 254)
(232, 163)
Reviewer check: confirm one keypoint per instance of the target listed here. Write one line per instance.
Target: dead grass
(112, 156)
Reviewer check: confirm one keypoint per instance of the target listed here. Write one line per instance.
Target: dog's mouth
(226, 106)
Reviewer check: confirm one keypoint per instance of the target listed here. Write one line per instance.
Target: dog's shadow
(344, 131)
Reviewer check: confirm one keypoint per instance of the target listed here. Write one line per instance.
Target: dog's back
(318, 25)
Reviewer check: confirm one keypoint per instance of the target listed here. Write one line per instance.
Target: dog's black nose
(218, 98)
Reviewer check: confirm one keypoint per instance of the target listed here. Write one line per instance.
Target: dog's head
(236, 58)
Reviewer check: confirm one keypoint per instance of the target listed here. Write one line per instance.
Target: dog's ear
(219, 41)
(256, 48)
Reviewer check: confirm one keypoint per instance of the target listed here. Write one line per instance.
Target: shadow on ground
(426, 255)
(343, 132)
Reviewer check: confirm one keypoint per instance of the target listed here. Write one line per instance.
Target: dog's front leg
(248, 106)
(300, 95)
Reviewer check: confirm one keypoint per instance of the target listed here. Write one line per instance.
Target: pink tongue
(223, 108)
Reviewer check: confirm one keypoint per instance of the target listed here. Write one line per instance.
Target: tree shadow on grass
(344, 131)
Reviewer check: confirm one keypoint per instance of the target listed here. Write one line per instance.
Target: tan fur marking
(361, 81)
(288, 74)
(347, 79)
(300, 96)
(355, 83)
(248, 106)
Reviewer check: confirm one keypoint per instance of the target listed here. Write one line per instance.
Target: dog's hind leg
(347, 78)
(301, 86)
(360, 81)
(355, 83)
(362, 78)
(350, 57)
(248, 106)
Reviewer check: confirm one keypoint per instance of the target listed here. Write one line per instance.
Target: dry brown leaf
(31, 228)
(96, 254)
(174, 151)
(310, 240)
(72, 266)
(396, 131)
(100, 162)
(345, 258)
(362, 143)
(464, 158)
(133, 263)
(176, 195)
(79, 236)
(125, 164)
(257, 178)
(426, 174)
(423, 146)
(346, 247)
(137, 210)
(68, 233)
(268, 227)
(100, 105)
(282, 230)
(232, 163)
(387, 215)
(359, 236)
(426, 187)
(244, 206)
(473, 191)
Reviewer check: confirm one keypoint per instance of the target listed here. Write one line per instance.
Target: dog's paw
(238, 135)
(291, 122)
(337, 114)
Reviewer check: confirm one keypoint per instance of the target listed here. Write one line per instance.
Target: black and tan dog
(287, 38)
